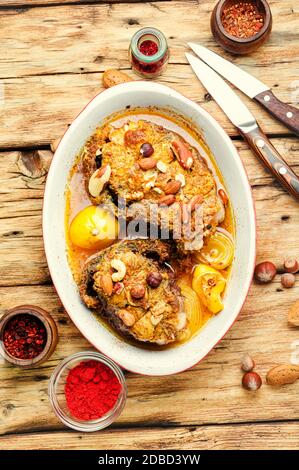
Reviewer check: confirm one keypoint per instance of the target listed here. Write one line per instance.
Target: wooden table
(53, 53)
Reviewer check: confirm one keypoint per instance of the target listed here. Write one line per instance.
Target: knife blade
(246, 123)
(226, 98)
(251, 86)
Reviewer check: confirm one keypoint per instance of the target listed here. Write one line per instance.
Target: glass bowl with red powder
(87, 391)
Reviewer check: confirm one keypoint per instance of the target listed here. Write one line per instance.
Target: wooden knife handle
(263, 148)
(285, 113)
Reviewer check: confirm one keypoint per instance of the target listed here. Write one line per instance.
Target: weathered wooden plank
(46, 72)
(22, 177)
(275, 436)
(47, 3)
(90, 38)
(38, 109)
(211, 392)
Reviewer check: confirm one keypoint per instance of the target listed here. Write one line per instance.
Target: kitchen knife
(251, 86)
(245, 122)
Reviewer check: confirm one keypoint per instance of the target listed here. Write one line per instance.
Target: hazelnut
(288, 280)
(146, 150)
(291, 265)
(265, 272)
(154, 279)
(251, 381)
(138, 291)
(247, 363)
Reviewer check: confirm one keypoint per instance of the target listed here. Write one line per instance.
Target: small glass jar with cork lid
(148, 52)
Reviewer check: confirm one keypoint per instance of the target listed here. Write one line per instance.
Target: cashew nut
(120, 269)
(181, 178)
(162, 166)
(156, 320)
(127, 317)
(98, 180)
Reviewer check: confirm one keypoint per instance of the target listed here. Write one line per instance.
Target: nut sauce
(186, 270)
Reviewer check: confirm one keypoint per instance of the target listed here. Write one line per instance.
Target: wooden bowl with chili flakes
(241, 27)
(28, 336)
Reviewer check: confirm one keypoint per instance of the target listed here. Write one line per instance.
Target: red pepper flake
(24, 336)
(242, 20)
(148, 47)
(91, 390)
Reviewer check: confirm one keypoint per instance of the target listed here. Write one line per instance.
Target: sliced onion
(191, 307)
(218, 251)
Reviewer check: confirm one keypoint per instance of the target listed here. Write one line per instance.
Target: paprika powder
(91, 390)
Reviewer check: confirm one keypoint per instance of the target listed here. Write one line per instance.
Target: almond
(172, 187)
(183, 154)
(115, 77)
(54, 144)
(283, 374)
(106, 284)
(98, 180)
(185, 213)
(195, 201)
(147, 163)
(293, 315)
(223, 196)
(167, 200)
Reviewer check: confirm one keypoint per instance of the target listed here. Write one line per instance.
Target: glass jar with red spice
(28, 335)
(87, 391)
(148, 52)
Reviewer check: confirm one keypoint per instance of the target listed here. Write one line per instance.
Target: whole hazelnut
(265, 272)
(251, 381)
(146, 150)
(247, 363)
(288, 280)
(138, 291)
(154, 279)
(291, 265)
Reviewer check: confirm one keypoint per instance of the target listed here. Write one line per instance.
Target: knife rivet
(267, 98)
(282, 170)
(260, 143)
(289, 115)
